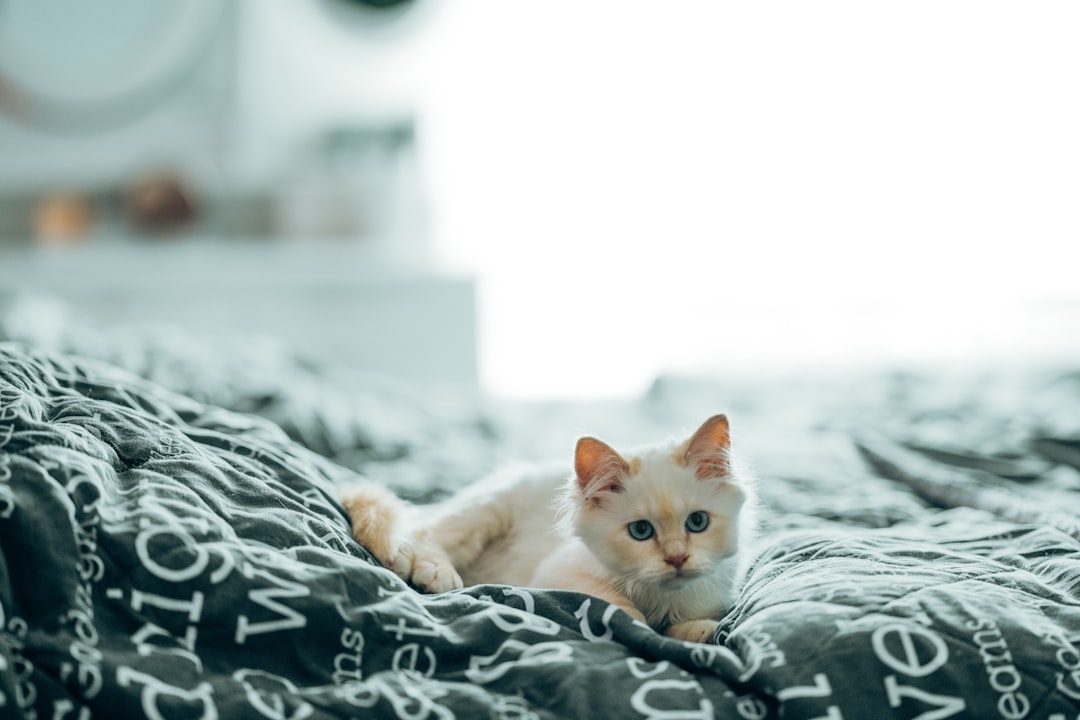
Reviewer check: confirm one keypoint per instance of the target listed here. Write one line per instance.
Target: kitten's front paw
(423, 564)
(426, 565)
(380, 524)
(698, 631)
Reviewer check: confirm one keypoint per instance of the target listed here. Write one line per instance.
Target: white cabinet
(327, 298)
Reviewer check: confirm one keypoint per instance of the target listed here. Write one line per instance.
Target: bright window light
(708, 187)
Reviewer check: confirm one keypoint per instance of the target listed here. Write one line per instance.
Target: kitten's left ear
(708, 450)
(599, 468)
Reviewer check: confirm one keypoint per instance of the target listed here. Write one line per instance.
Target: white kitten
(656, 531)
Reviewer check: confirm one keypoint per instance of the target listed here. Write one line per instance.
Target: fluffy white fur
(537, 527)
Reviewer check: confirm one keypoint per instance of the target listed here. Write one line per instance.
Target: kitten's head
(664, 515)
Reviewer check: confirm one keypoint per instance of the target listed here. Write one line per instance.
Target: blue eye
(640, 529)
(697, 521)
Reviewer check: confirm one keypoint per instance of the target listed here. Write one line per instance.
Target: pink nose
(677, 561)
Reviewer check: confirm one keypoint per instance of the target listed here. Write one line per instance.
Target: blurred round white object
(110, 57)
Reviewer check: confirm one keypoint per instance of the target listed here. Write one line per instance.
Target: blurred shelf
(331, 299)
(196, 262)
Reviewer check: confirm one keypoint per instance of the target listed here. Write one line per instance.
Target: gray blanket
(163, 556)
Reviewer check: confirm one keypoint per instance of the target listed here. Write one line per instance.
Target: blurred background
(557, 199)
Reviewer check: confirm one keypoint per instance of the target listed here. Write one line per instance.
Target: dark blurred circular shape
(160, 205)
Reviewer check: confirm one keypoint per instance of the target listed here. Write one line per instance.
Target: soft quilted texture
(165, 558)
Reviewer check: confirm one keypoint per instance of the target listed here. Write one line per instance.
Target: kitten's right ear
(599, 468)
(709, 448)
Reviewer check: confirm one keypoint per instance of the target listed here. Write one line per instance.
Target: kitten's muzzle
(678, 579)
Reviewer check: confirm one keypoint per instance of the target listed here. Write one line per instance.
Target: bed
(171, 546)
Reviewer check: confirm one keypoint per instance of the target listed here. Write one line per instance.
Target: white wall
(302, 69)
(258, 80)
(701, 185)
(698, 185)
(127, 86)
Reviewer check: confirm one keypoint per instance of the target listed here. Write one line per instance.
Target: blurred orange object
(62, 219)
